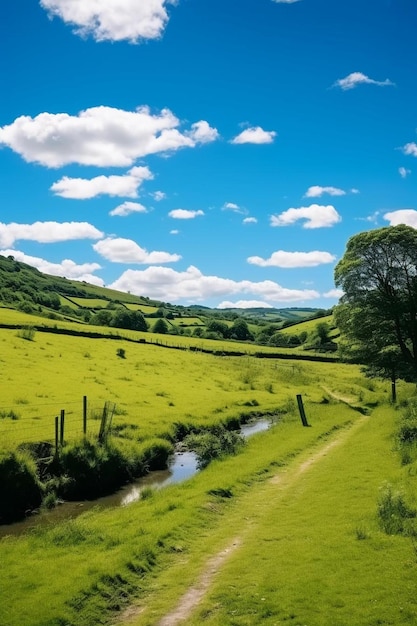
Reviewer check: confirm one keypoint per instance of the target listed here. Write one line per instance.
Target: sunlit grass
(153, 388)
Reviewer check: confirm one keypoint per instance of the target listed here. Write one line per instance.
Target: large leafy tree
(377, 315)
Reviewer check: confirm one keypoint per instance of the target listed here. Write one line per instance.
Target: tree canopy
(377, 315)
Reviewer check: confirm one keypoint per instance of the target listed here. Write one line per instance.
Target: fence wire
(34, 427)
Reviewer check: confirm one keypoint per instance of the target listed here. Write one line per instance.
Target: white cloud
(403, 172)
(293, 259)
(119, 250)
(100, 136)
(316, 216)
(250, 220)
(47, 232)
(373, 218)
(244, 304)
(334, 293)
(316, 191)
(231, 206)
(402, 216)
(112, 20)
(357, 78)
(66, 268)
(127, 208)
(158, 195)
(82, 188)
(166, 284)
(410, 149)
(184, 214)
(174, 232)
(202, 132)
(285, 1)
(255, 135)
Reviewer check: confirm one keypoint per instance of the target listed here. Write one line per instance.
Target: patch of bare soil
(192, 597)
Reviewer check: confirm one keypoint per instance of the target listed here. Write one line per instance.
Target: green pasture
(307, 326)
(68, 302)
(74, 572)
(152, 387)
(111, 294)
(91, 303)
(146, 309)
(311, 551)
(188, 321)
(11, 316)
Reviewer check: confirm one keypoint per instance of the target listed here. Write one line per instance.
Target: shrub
(210, 445)
(92, 469)
(26, 332)
(395, 516)
(20, 487)
(155, 454)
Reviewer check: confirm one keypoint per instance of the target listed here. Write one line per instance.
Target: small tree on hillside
(160, 326)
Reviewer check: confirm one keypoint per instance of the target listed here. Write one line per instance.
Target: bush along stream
(90, 471)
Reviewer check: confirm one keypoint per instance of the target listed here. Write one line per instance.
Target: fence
(43, 423)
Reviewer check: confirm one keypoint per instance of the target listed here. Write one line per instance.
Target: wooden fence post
(62, 428)
(84, 415)
(102, 431)
(301, 410)
(56, 436)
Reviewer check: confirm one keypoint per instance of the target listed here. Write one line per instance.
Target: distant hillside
(26, 289)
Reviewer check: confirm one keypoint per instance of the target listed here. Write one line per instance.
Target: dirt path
(191, 599)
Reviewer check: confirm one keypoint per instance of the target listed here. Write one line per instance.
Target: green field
(284, 532)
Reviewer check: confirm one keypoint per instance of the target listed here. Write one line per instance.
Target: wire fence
(36, 423)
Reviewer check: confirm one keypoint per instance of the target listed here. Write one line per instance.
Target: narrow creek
(183, 465)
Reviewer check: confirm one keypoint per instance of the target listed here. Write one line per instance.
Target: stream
(183, 465)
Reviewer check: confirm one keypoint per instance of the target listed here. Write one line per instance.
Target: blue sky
(218, 152)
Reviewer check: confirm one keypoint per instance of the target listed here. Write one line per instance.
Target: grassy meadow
(304, 516)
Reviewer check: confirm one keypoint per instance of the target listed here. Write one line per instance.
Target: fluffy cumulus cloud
(158, 196)
(67, 268)
(244, 304)
(127, 208)
(410, 149)
(185, 214)
(122, 186)
(112, 20)
(285, 1)
(120, 250)
(315, 216)
(163, 283)
(316, 191)
(357, 78)
(47, 232)
(402, 216)
(403, 172)
(293, 259)
(100, 136)
(250, 220)
(255, 135)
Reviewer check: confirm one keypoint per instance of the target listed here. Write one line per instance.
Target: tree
(160, 326)
(377, 315)
(240, 330)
